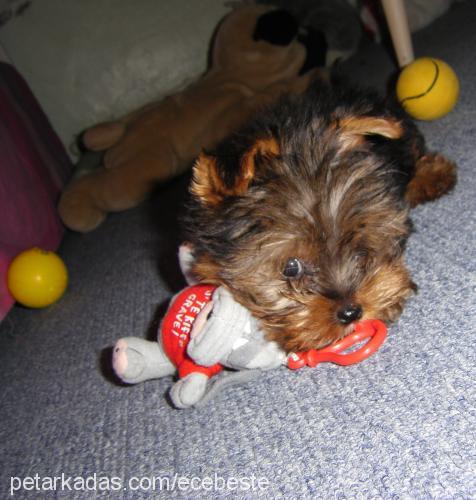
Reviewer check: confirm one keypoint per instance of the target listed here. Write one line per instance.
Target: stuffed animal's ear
(278, 27)
(216, 177)
(353, 129)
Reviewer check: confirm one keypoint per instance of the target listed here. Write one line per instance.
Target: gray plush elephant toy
(206, 337)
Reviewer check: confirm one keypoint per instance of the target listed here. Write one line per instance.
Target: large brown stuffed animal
(161, 140)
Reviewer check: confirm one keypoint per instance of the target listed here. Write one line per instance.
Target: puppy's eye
(293, 268)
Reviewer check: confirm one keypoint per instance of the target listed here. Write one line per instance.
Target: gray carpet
(399, 425)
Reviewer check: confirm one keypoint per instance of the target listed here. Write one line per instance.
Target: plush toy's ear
(277, 27)
(353, 129)
(316, 49)
(216, 177)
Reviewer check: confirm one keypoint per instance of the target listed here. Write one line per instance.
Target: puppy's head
(305, 224)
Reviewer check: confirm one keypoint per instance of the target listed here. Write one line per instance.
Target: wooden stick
(398, 24)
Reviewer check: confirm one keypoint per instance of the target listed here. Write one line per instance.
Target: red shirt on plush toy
(177, 328)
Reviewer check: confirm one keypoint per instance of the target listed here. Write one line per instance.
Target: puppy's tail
(103, 136)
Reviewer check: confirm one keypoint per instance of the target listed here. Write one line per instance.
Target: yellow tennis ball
(427, 88)
(37, 278)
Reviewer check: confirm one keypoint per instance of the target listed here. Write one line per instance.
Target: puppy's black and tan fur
(304, 215)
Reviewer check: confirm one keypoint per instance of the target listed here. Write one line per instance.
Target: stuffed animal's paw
(189, 390)
(255, 355)
(77, 208)
(268, 357)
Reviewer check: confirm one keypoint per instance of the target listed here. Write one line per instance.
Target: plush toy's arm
(216, 339)
(255, 354)
(232, 338)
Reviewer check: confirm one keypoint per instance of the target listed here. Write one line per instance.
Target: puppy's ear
(353, 129)
(216, 176)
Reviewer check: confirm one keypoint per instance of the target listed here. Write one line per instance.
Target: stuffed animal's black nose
(348, 313)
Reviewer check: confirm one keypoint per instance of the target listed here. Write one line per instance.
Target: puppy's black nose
(349, 313)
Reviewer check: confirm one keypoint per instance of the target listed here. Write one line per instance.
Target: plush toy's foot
(77, 209)
(135, 360)
(189, 390)
(103, 136)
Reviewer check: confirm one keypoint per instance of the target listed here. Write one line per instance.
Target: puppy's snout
(348, 313)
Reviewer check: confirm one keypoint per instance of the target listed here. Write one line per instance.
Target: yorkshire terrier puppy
(304, 214)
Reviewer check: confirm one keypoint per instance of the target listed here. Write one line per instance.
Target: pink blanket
(33, 169)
